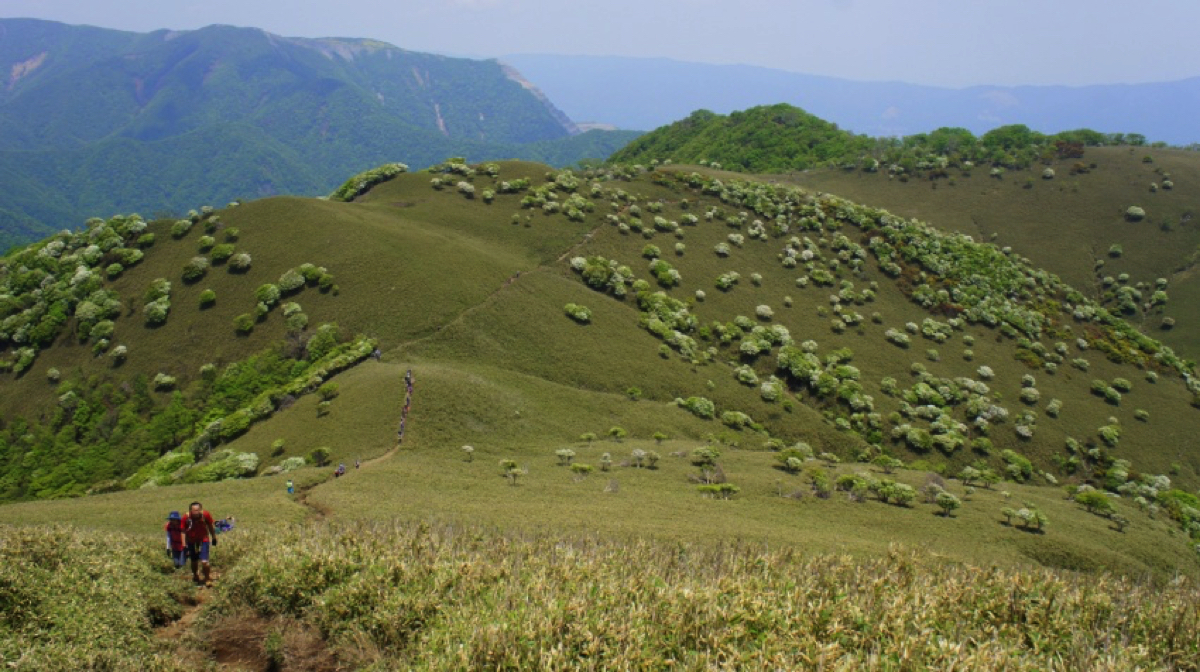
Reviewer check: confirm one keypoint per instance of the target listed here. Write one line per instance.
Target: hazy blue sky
(942, 42)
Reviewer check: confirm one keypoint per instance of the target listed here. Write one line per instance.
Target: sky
(953, 43)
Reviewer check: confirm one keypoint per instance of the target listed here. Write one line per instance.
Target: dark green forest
(101, 121)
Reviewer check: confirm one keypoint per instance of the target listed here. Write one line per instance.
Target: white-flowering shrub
(292, 463)
(156, 311)
(240, 261)
(581, 314)
(746, 375)
(361, 183)
(985, 372)
(290, 281)
(764, 312)
(1135, 214)
(897, 337)
(195, 269)
(771, 389)
(698, 406)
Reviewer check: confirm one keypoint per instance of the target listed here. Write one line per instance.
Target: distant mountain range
(94, 121)
(645, 93)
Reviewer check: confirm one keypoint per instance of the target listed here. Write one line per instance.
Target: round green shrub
(221, 253)
(244, 323)
(195, 269)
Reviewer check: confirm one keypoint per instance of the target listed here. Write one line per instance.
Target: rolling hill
(102, 121)
(618, 365)
(1061, 199)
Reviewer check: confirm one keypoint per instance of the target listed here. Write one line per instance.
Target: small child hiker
(175, 546)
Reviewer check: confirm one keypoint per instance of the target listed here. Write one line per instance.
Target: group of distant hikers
(189, 537)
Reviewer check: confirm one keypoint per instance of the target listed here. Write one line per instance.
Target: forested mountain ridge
(162, 84)
(99, 121)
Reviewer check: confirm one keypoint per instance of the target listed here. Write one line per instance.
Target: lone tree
(947, 503)
(969, 475)
(319, 456)
(888, 463)
(1009, 513)
(705, 456)
(617, 433)
(639, 457)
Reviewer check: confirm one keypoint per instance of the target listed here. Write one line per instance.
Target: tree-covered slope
(782, 138)
(102, 121)
(161, 84)
(769, 139)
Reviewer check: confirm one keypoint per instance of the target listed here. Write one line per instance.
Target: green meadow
(647, 401)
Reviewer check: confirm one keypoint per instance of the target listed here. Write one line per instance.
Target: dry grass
(454, 598)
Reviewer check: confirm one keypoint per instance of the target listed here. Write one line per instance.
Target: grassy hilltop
(677, 356)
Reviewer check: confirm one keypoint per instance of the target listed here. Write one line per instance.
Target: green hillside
(1072, 220)
(768, 139)
(681, 357)
(102, 121)
(783, 139)
(832, 335)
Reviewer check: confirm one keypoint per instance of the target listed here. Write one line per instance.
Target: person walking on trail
(176, 549)
(291, 487)
(199, 532)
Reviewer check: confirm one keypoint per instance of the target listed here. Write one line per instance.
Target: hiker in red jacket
(199, 532)
(175, 546)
